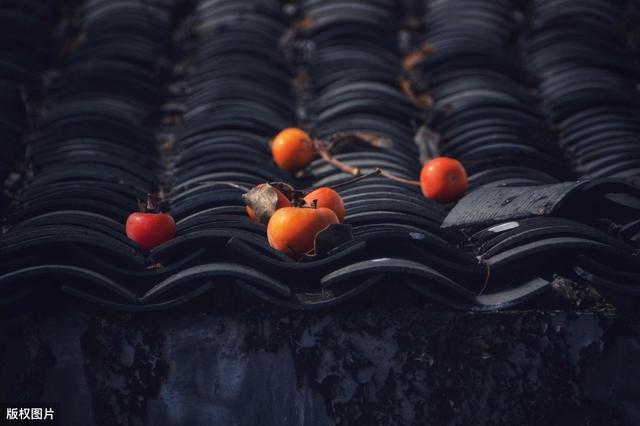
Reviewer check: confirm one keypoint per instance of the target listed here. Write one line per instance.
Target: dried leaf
(414, 58)
(422, 101)
(285, 188)
(304, 24)
(263, 200)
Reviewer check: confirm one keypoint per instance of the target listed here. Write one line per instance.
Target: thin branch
(356, 179)
(324, 153)
(399, 179)
(231, 184)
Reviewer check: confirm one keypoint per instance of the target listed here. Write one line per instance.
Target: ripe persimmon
(266, 203)
(327, 197)
(292, 230)
(443, 179)
(292, 149)
(150, 228)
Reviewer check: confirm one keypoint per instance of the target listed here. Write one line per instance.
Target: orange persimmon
(327, 197)
(292, 149)
(443, 179)
(292, 230)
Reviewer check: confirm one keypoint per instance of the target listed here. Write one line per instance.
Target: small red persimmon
(150, 229)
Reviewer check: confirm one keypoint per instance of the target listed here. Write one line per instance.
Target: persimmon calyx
(299, 202)
(151, 205)
(287, 190)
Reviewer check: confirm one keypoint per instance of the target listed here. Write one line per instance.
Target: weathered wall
(400, 366)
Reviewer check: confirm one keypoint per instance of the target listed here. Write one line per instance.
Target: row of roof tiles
(93, 152)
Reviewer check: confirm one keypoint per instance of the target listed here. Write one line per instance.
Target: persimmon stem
(399, 179)
(152, 203)
(326, 155)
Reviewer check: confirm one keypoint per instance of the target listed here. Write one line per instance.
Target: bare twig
(399, 179)
(222, 182)
(326, 155)
(356, 179)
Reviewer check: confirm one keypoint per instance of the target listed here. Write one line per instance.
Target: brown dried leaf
(413, 58)
(422, 101)
(263, 200)
(304, 24)
(286, 189)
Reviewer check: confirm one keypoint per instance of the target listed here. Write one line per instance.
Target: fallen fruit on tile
(327, 197)
(263, 200)
(149, 228)
(443, 179)
(292, 149)
(292, 230)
